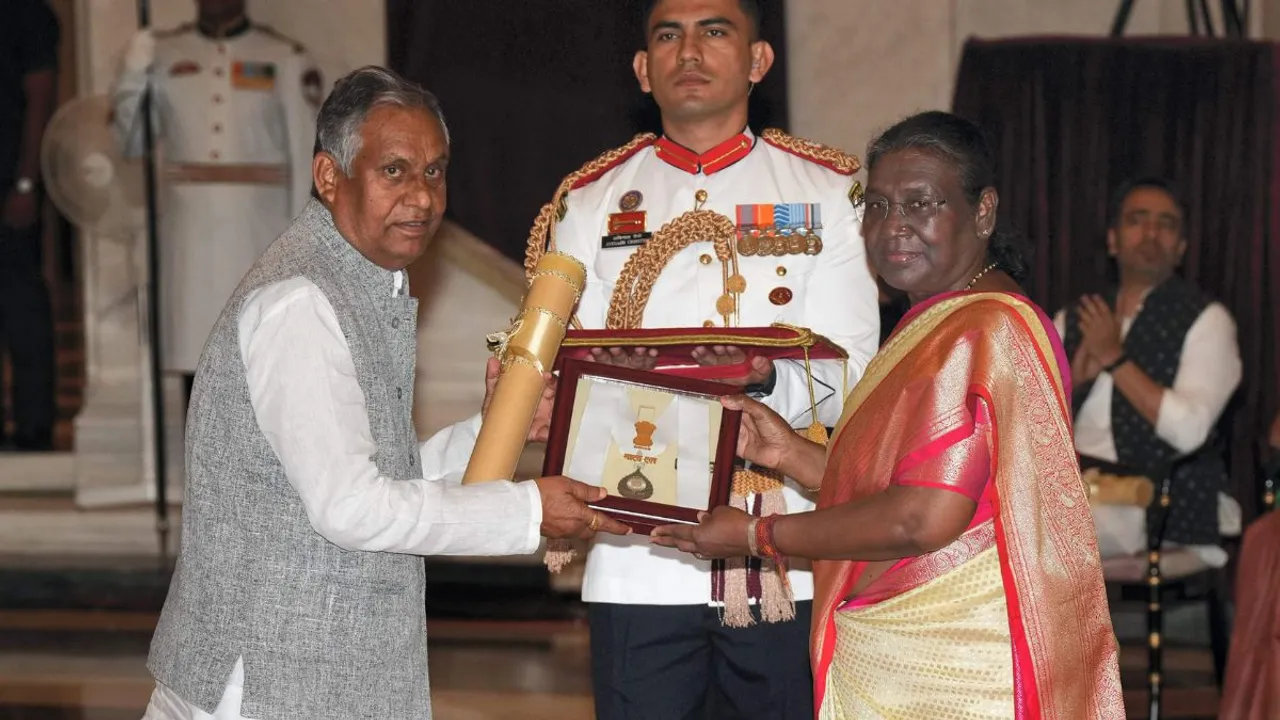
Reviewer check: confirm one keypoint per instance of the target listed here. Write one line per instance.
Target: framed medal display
(662, 445)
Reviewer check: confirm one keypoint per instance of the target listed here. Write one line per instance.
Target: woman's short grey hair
(353, 97)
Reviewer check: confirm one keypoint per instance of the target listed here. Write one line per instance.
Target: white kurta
(833, 293)
(235, 122)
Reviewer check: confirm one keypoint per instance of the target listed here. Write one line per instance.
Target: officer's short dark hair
(750, 8)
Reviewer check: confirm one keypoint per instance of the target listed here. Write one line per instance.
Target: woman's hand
(765, 438)
(720, 533)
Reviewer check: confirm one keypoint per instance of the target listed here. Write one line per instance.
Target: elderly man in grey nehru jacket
(299, 592)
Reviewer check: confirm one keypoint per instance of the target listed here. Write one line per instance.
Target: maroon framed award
(662, 445)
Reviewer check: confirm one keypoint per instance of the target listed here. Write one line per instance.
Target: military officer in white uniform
(659, 649)
(234, 109)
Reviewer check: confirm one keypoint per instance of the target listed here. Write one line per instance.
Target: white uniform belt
(257, 174)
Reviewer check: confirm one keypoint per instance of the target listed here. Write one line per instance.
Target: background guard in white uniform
(235, 106)
(659, 648)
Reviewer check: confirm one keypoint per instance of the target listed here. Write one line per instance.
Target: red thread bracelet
(765, 546)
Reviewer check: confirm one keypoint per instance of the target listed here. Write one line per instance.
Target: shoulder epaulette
(174, 32)
(828, 157)
(268, 30)
(609, 160)
(540, 235)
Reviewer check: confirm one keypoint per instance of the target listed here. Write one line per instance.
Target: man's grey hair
(353, 97)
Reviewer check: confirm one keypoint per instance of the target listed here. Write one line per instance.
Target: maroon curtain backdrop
(1070, 119)
(532, 91)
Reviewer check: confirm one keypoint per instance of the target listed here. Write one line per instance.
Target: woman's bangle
(751, 537)
(765, 546)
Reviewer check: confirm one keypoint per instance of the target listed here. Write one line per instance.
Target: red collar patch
(714, 160)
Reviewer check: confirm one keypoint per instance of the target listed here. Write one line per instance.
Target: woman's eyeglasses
(914, 211)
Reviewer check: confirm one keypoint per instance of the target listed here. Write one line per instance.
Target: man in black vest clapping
(1154, 362)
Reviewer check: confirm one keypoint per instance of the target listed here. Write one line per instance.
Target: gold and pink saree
(1011, 619)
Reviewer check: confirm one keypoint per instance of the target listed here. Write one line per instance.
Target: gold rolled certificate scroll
(1108, 489)
(526, 350)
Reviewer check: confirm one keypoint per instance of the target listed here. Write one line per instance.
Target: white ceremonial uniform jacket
(833, 293)
(234, 118)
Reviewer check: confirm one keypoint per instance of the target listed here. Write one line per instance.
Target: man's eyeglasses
(915, 211)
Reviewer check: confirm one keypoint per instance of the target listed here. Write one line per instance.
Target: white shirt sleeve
(309, 405)
(1060, 324)
(445, 455)
(1208, 374)
(842, 304)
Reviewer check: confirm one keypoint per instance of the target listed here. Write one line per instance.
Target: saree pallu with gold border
(1011, 620)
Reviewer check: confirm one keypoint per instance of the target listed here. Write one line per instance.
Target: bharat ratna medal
(635, 486)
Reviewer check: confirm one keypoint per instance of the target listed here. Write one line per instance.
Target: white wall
(858, 66)
(342, 34)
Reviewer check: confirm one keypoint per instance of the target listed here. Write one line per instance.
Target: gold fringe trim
(737, 602)
(558, 555)
(756, 480)
(777, 604)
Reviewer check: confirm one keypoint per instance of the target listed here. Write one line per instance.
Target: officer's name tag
(625, 240)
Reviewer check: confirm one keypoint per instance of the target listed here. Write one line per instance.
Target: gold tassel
(737, 605)
(559, 554)
(817, 432)
(777, 604)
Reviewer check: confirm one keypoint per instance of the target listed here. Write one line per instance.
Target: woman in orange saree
(954, 553)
